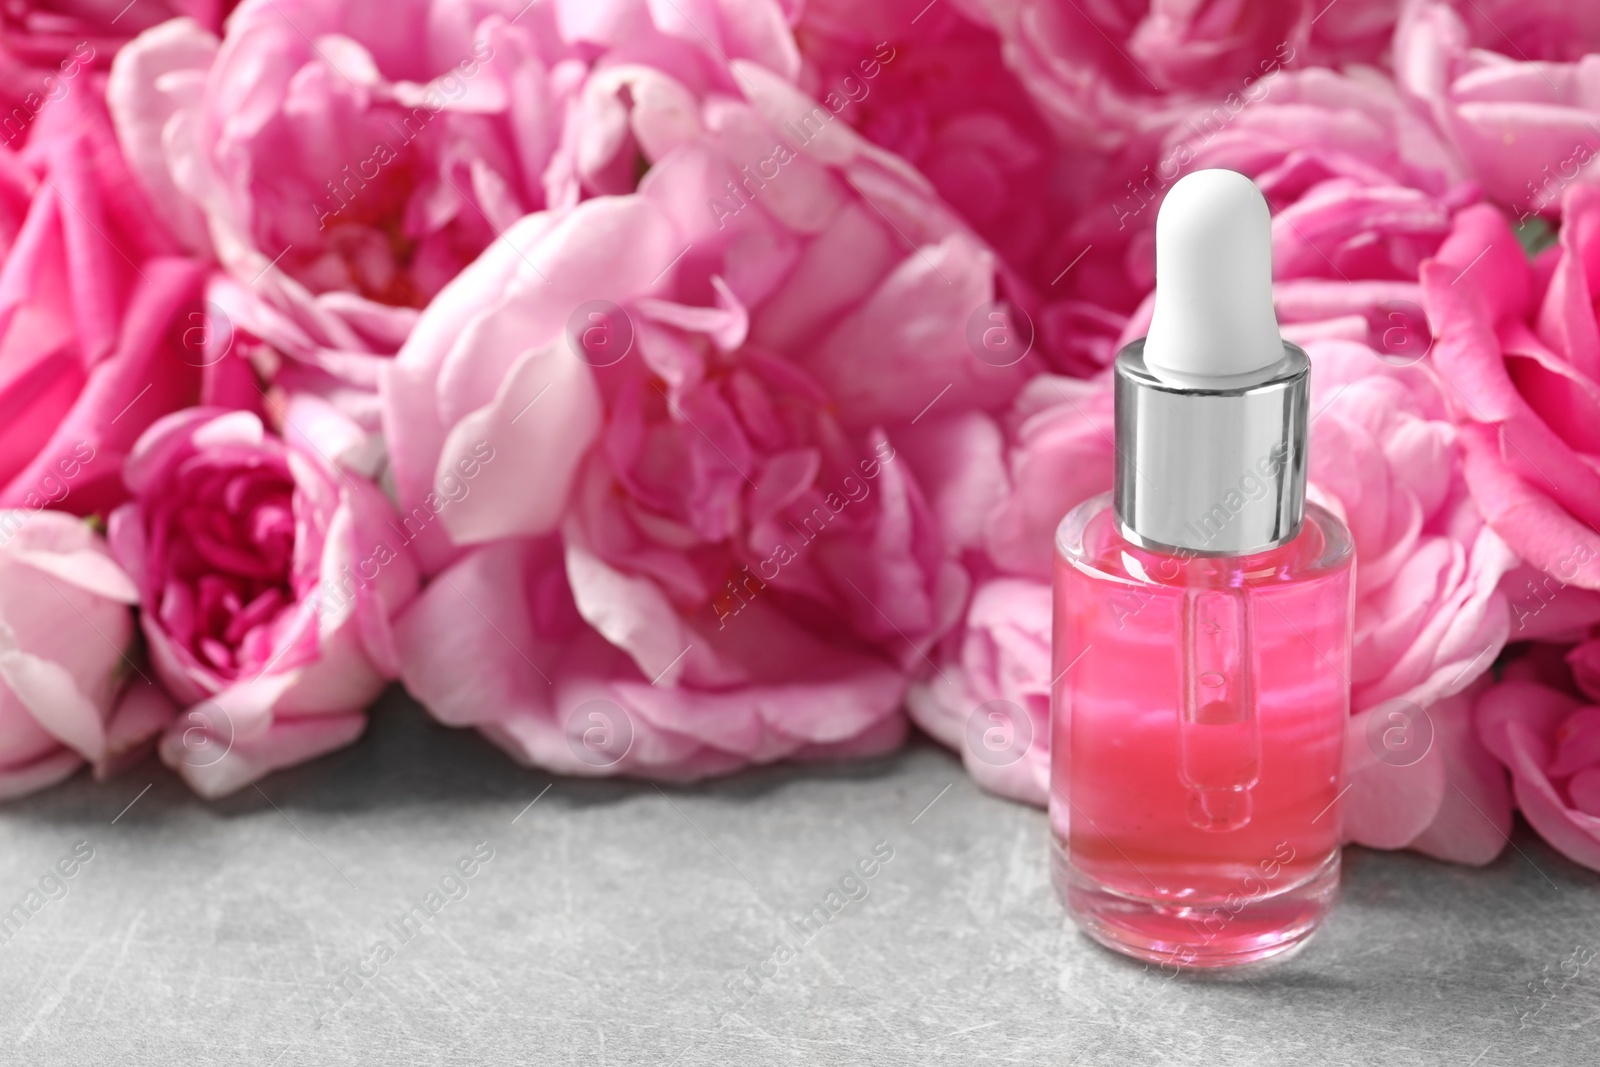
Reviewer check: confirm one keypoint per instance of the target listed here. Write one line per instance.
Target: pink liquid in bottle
(1199, 711)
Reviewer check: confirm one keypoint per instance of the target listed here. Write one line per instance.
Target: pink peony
(1547, 733)
(1511, 85)
(268, 579)
(1520, 347)
(65, 631)
(682, 458)
(1430, 617)
(344, 161)
(95, 313)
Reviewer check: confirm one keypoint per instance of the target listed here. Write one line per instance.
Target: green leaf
(1536, 235)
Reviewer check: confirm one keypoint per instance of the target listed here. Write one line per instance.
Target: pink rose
(990, 698)
(343, 161)
(1547, 733)
(1430, 616)
(47, 46)
(682, 458)
(94, 313)
(268, 578)
(1452, 803)
(1584, 660)
(65, 631)
(1511, 86)
(1061, 454)
(1362, 193)
(932, 87)
(1520, 349)
(1105, 73)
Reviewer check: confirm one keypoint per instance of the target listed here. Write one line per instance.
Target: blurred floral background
(665, 387)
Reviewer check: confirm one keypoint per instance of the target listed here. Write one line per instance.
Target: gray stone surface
(615, 917)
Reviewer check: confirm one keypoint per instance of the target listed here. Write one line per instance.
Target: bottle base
(1243, 929)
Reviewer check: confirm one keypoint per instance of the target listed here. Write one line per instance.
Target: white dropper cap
(1213, 315)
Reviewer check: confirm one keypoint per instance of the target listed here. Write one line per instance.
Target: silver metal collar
(1212, 468)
